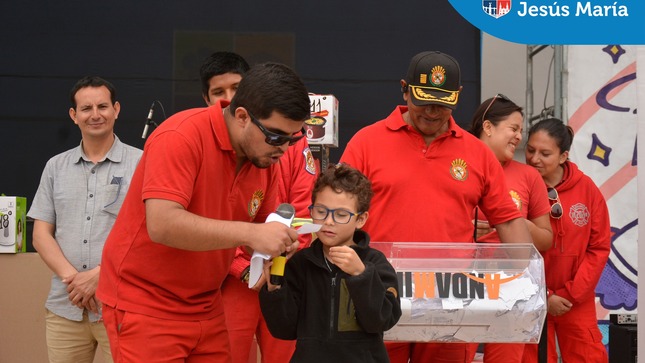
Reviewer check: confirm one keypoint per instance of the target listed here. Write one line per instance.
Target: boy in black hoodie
(339, 295)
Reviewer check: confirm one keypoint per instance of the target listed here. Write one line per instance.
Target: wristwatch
(246, 273)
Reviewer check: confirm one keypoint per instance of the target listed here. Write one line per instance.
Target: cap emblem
(438, 77)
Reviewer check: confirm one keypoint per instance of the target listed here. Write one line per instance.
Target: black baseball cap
(434, 78)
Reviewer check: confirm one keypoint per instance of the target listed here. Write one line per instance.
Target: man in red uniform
(428, 175)
(220, 75)
(205, 174)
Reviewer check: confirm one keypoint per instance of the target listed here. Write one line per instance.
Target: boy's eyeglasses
(273, 138)
(340, 216)
(556, 206)
(499, 95)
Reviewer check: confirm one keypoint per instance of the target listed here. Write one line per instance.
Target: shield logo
(496, 8)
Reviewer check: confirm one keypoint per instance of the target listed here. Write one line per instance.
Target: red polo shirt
(188, 159)
(427, 193)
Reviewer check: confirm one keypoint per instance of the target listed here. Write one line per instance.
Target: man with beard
(205, 174)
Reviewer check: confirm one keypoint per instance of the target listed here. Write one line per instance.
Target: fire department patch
(579, 214)
(516, 199)
(255, 203)
(310, 165)
(458, 170)
(438, 77)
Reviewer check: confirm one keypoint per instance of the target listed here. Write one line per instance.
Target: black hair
(495, 112)
(269, 87)
(344, 178)
(91, 81)
(555, 128)
(221, 63)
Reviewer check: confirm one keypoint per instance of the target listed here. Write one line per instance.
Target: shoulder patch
(310, 165)
(516, 199)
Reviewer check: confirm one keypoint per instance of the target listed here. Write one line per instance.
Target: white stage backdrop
(602, 106)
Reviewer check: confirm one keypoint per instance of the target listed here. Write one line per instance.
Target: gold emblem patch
(255, 203)
(438, 77)
(310, 164)
(516, 199)
(459, 170)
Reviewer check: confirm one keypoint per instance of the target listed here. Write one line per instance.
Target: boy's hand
(346, 259)
(263, 278)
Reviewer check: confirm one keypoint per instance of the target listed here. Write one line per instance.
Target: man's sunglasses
(499, 95)
(556, 206)
(273, 138)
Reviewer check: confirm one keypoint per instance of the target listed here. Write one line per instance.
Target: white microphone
(148, 121)
(284, 214)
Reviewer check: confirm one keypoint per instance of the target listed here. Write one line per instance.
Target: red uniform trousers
(579, 338)
(137, 338)
(431, 352)
(244, 320)
(503, 352)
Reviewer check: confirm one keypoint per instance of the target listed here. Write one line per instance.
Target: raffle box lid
(468, 292)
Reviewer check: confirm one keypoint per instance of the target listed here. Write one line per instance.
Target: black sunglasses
(273, 138)
(556, 206)
(499, 95)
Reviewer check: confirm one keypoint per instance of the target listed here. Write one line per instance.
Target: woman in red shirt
(498, 123)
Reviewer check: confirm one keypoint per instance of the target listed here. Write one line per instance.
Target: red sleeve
(298, 173)
(171, 165)
(496, 203)
(241, 261)
(595, 256)
(297, 177)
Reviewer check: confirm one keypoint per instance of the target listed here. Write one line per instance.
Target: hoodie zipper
(332, 315)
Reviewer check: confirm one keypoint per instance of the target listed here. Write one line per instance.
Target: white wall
(504, 71)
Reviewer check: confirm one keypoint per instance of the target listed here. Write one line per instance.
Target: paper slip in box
(322, 127)
(13, 214)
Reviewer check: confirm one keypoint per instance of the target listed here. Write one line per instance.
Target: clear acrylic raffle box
(468, 292)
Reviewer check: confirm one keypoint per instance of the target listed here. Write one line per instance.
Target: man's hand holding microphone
(280, 248)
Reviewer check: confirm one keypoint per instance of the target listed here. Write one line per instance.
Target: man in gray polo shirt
(79, 196)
